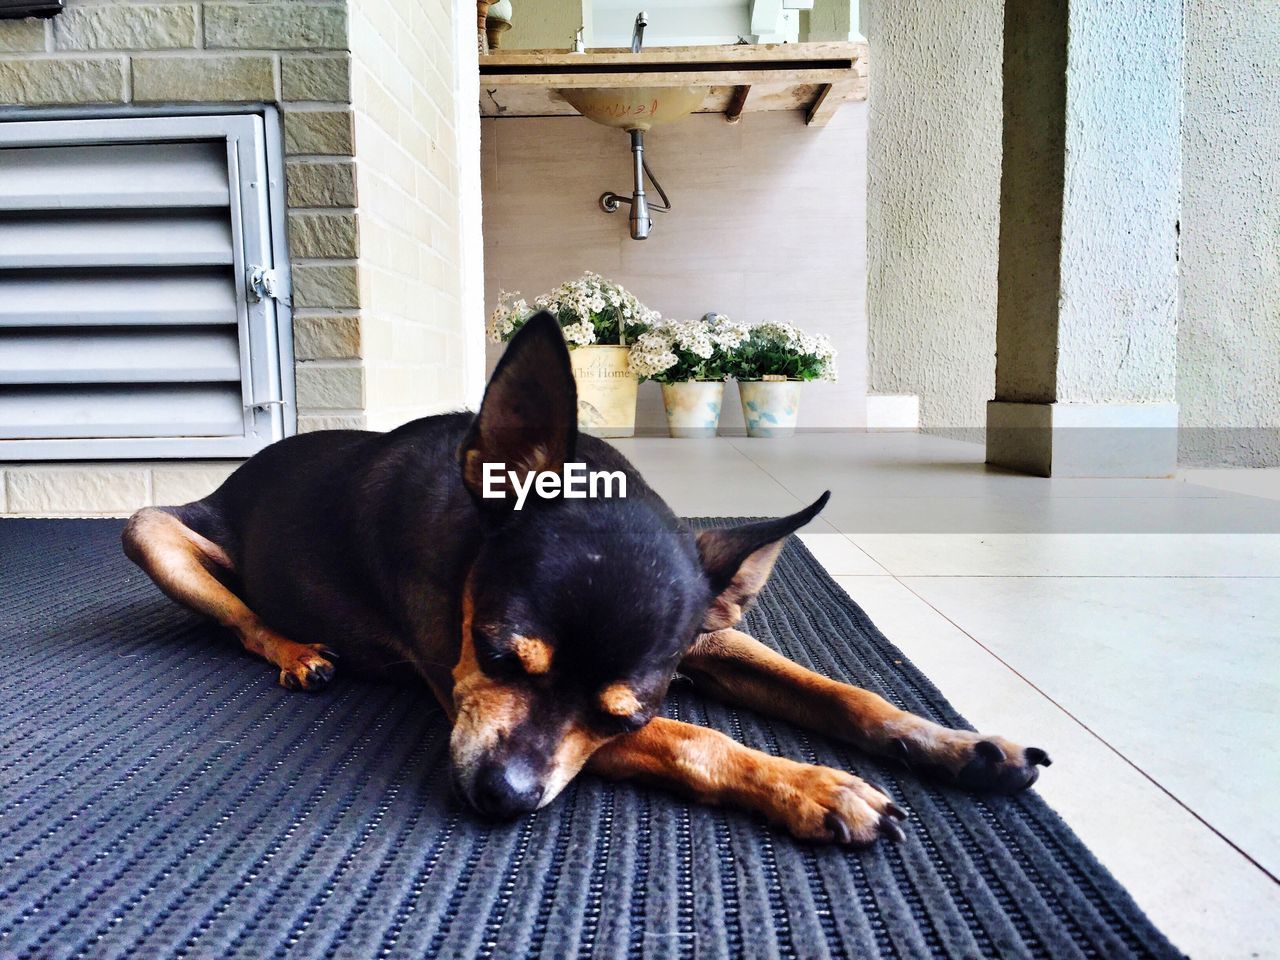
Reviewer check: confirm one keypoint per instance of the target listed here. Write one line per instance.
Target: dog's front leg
(740, 669)
(813, 803)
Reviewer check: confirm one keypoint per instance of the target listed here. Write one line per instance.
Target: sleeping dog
(549, 633)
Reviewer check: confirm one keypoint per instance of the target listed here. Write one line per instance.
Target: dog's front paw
(306, 666)
(971, 760)
(824, 804)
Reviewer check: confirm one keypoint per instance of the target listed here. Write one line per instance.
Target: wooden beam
(830, 97)
(818, 114)
(813, 77)
(839, 53)
(674, 78)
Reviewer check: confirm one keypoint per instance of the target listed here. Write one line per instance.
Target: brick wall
(410, 214)
(372, 188)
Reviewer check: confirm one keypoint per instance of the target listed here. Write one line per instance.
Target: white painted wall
(933, 218)
(1229, 329)
(546, 24)
(933, 195)
(768, 224)
(415, 330)
(671, 22)
(550, 24)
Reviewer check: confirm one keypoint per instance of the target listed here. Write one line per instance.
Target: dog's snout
(506, 790)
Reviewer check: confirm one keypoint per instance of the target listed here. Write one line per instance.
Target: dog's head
(576, 612)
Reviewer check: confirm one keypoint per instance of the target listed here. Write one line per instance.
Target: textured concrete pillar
(833, 20)
(1086, 330)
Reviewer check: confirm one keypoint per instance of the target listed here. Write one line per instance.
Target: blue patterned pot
(770, 407)
(693, 407)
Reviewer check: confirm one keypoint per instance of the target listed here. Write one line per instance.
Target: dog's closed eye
(499, 661)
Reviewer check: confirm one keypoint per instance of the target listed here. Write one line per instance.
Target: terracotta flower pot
(606, 390)
(770, 407)
(693, 407)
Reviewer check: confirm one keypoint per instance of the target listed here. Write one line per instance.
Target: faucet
(637, 35)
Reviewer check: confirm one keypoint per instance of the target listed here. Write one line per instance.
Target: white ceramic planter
(693, 407)
(606, 390)
(770, 407)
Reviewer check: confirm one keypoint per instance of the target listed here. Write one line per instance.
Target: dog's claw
(839, 829)
(895, 811)
(891, 831)
(971, 761)
(997, 776)
(1037, 757)
(304, 667)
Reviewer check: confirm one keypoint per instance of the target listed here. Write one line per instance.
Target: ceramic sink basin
(635, 108)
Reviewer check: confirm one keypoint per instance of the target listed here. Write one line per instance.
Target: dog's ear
(528, 420)
(738, 561)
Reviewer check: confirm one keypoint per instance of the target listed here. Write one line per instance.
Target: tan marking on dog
(742, 670)
(534, 654)
(485, 709)
(619, 700)
(711, 768)
(737, 668)
(179, 560)
(577, 744)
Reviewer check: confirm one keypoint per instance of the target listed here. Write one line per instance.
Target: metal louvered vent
(126, 325)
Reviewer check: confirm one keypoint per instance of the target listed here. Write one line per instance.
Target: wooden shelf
(815, 78)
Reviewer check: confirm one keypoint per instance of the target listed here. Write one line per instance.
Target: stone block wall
(408, 177)
(290, 53)
(372, 184)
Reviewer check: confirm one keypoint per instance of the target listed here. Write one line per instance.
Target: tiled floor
(1130, 627)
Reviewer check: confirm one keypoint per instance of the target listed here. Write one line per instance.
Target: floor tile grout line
(1093, 733)
(778, 483)
(849, 540)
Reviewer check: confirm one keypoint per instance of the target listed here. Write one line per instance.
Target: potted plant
(600, 320)
(770, 364)
(690, 359)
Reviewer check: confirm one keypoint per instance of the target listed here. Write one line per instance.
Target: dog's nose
(506, 790)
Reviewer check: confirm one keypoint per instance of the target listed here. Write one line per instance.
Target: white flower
(650, 355)
(581, 334)
(578, 305)
(507, 316)
(726, 334)
(817, 348)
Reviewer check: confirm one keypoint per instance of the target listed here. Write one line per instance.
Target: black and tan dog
(549, 634)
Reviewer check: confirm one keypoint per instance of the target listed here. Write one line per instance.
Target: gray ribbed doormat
(161, 796)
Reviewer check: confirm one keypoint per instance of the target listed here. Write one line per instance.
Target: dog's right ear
(737, 561)
(528, 420)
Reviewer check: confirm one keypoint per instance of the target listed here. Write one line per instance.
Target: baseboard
(893, 412)
(1084, 439)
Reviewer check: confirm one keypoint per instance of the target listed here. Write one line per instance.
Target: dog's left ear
(528, 420)
(738, 561)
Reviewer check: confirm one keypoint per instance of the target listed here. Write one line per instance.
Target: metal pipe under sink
(640, 221)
